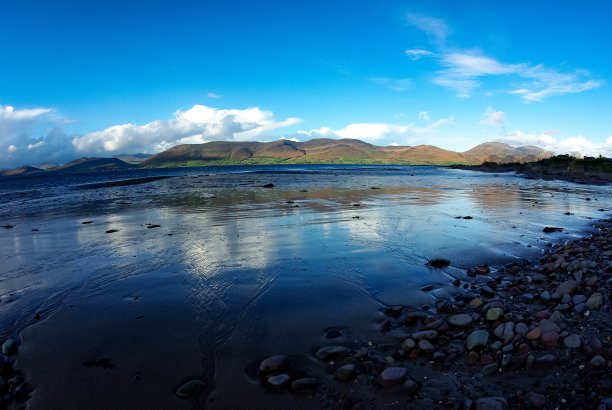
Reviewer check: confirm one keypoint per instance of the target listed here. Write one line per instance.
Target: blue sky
(100, 79)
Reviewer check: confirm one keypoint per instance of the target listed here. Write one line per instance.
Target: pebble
(190, 388)
(489, 369)
(505, 331)
(536, 400)
(9, 347)
(274, 364)
(477, 338)
(304, 384)
(572, 341)
(491, 403)
(460, 320)
(534, 333)
(393, 375)
(346, 372)
(595, 301)
(567, 287)
(598, 361)
(425, 335)
(328, 353)
(494, 314)
(278, 382)
(549, 339)
(426, 346)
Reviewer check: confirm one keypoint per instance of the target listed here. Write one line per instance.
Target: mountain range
(316, 151)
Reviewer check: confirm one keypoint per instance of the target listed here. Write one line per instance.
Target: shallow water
(236, 272)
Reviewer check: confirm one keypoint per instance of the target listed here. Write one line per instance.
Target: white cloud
(11, 149)
(417, 53)
(214, 96)
(36, 145)
(435, 28)
(198, 124)
(395, 84)
(578, 145)
(442, 121)
(424, 116)
(493, 118)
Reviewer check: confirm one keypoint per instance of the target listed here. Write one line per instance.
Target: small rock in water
(346, 373)
(427, 288)
(9, 347)
(394, 311)
(278, 382)
(438, 263)
(393, 375)
(268, 186)
(274, 364)
(550, 229)
(426, 346)
(304, 384)
(332, 353)
(190, 388)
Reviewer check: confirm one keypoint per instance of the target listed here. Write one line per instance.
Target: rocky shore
(528, 335)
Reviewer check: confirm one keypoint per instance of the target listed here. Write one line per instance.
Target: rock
(556, 317)
(190, 388)
(494, 314)
(546, 360)
(595, 301)
(426, 346)
(410, 387)
(491, 403)
(392, 375)
(461, 320)
(577, 299)
(489, 369)
(438, 263)
(425, 335)
(580, 308)
(472, 358)
(486, 290)
(548, 326)
(278, 382)
(328, 353)
(304, 384)
(394, 311)
(427, 288)
(549, 339)
(476, 303)
(534, 333)
(274, 364)
(9, 347)
(598, 361)
(408, 344)
(549, 229)
(521, 328)
(536, 400)
(505, 331)
(346, 372)
(567, 287)
(477, 338)
(545, 296)
(572, 341)
(268, 186)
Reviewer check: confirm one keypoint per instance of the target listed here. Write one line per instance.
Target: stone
(304, 384)
(567, 287)
(278, 382)
(549, 339)
(545, 296)
(486, 290)
(536, 400)
(460, 320)
(534, 333)
(410, 387)
(274, 364)
(546, 360)
(595, 301)
(477, 338)
(427, 288)
(408, 344)
(472, 358)
(426, 346)
(491, 403)
(505, 331)
(598, 361)
(580, 308)
(489, 369)
(476, 303)
(393, 375)
(425, 335)
(190, 388)
(494, 313)
(576, 299)
(9, 347)
(548, 326)
(521, 328)
(394, 311)
(328, 353)
(556, 317)
(572, 341)
(346, 372)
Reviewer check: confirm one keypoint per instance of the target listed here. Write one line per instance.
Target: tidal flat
(119, 294)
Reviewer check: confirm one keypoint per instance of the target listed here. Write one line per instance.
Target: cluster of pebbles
(528, 335)
(13, 387)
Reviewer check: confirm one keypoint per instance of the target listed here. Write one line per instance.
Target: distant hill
(92, 165)
(325, 150)
(503, 153)
(132, 158)
(47, 165)
(23, 171)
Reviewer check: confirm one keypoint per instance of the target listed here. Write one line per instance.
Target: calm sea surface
(236, 272)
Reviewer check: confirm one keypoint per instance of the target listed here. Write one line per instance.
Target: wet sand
(235, 273)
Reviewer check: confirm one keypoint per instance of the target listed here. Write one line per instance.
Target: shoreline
(532, 334)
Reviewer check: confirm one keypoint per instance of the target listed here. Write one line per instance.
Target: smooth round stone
(521, 328)
(393, 375)
(9, 347)
(556, 317)
(567, 287)
(305, 384)
(487, 291)
(598, 361)
(410, 387)
(278, 382)
(545, 296)
(572, 341)
(495, 346)
(576, 299)
(426, 346)
(274, 364)
(190, 388)
(346, 373)
(472, 358)
(534, 333)
(505, 331)
(549, 339)
(580, 308)
(491, 403)
(595, 301)
(461, 320)
(536, 400)
(565, 299)
(546, 360)
(548, 326)
(408, 344)
(332, 353)
(494, 313)
(425, 335)
(477, 338)
(394, 311)
(489, 369)
(476, 303)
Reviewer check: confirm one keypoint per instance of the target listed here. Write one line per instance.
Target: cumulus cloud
(577, 146)
(198, 124)
(493, 118)
(465, 70)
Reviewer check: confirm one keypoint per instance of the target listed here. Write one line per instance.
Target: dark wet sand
(236, 273)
